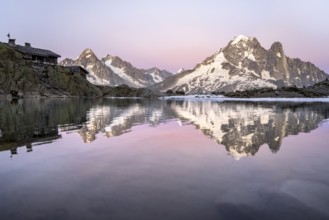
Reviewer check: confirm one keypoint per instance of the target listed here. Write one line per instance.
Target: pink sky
(168, 34)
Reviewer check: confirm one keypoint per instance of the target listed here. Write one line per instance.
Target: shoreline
(224, 98)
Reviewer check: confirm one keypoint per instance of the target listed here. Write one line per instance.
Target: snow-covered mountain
(244, 64)
(113, 71)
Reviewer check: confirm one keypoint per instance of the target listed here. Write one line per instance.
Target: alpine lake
(163, 159)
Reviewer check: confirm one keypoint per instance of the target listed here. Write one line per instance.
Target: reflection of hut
(13, 151)
(47, 136)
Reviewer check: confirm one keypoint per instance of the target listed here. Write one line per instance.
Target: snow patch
(180, 70)
(278, 54)
(122, 73)
(265, 75)
(156, 78)
(249, 55)
(240, 38)
(252, 72)
(205, 75)
(94, 79)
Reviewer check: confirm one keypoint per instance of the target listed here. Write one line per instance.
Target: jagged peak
(241, 38)
(114, 58)
(154, 69)
(276, 45)
(108, 56)
(277, 49)
(87, 53)
(242, 42)
(67, 59)
(180, 70)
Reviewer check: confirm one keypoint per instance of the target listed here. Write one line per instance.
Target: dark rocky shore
(320, 89)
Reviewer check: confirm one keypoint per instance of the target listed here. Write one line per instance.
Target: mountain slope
(244, 64)
(113, 71)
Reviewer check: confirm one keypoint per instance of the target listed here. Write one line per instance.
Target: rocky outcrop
(113, 71)
(19, 78)
(243, 65)
(320, 89)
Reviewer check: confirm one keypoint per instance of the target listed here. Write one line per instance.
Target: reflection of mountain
(241, 127)
(118, 116)
(244, 127)
(35, 121)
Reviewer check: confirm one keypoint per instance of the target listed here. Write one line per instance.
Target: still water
(144, 159)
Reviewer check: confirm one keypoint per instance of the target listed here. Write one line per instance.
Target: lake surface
(163, 159)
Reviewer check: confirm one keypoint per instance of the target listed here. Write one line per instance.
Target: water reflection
(36, 122)
(118, 116)
(244, 127)
(241, 127)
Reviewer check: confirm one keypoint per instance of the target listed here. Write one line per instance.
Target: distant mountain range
(113, 71)
(243, 65)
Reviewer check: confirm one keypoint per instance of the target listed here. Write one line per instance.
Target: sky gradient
(166, 33)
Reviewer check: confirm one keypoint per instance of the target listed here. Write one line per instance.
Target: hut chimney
(11, 42)
(27, 44)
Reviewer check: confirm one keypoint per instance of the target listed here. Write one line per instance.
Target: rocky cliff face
(113, 71)
(19, 77)
(244, 64)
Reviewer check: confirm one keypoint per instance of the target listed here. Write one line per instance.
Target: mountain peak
(277, 49)
(244, 65)
(113, 71)
(87, 53)
(276, 46)
(241, 38)
(241, 42)
(109, 57)
(180, 70)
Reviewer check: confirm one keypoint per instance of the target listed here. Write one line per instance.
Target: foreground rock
(320, 89)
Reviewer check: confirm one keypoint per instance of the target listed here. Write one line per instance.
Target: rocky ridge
(243, 65)
(113, 71)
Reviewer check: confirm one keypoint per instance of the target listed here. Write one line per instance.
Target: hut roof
(35, 51)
